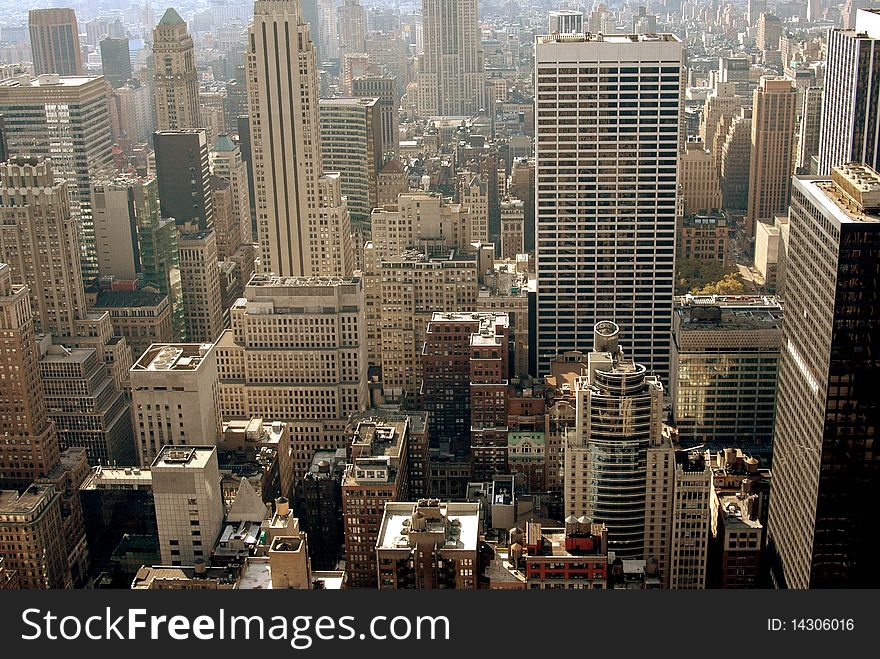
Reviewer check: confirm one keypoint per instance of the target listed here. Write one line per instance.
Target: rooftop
(452, 526)
(173, 357)
(100, 478)
(122, 299)
(728, 312)
(181, 457)
(49, 80)
(735, 508)
(27, 502)
(607, 38)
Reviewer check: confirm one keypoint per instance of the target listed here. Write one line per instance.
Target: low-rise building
(428, 544)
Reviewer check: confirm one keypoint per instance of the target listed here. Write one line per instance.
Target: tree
(730, 284)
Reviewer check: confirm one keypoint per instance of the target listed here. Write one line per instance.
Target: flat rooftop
(13, 503)
(736, 513)
(456, 523)
(728, 312)
(100, 478)
(268, 281)
(48, 80)
(173, 357)
(124, 299)
(182, 457)
(608, 38)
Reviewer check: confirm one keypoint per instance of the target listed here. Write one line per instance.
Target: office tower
(737, 70)
(382, 88)
(735, 162)
(65, 119)
(228, 229)
(849, 12)
(286, 151)
(32, 540)
(335, 229)
(814, 10)
(566, 21)
(135, 109)
(117, 501)
(30, 449)
(619, 418)
(175, 397)
(212, 114)
(184, 176)
(175, 79)
(700, 185)
(755, 8)
(601, 252)
(114, 214)
(376, 475)
(319, 507)
(143, 317)
(38, 240)
(451, 74)
(808, 145)
(329, 25)
(116, 61)
(200, 285)
(826, 476)
(420, 216)
(474, 194)
(725, 356)
(769, 31)
(158, 241)
(723, 102)
(403, 292)
(189, 504)
(351, 143)
(849, 131)
(227, 163)
(89, 409)
(55, 42)
(771, 165)
(352, 22)
(691, 520)
(446, 391)
(296, 353)
(427, 544)
(512, 229)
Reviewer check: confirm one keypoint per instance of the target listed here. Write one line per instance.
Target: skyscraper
(189, 502)
(30, 449)
(285, 139)
(451, 70)
(38, 239)
(175, 398)
(850, 124)
(351, 143)
(116, 61)
(184, 176)
(296, 353)
(607, 190)
(175, 80)
(774, 120)
(619, 419)
(352, 21)
(55, 42)
(65, 119)
(822, 527)
(200, 284)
